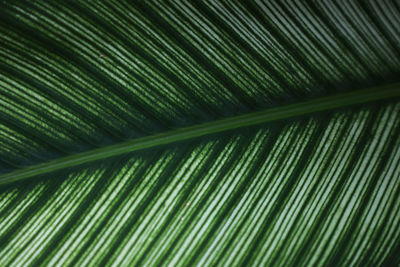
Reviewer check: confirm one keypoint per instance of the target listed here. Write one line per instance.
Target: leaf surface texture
(319, 189)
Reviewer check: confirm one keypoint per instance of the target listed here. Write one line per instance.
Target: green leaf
(210, 133)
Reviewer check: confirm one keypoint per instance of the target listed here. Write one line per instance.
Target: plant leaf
(318, 185)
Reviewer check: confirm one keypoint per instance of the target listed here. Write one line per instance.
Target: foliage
(81, 77)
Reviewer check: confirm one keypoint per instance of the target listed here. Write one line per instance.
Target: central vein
(273, 114)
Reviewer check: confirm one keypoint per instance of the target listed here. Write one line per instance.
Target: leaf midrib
(268, 115)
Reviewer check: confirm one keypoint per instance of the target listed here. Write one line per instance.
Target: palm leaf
(199, 133)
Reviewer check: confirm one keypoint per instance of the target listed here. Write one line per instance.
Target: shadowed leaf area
(164, 98)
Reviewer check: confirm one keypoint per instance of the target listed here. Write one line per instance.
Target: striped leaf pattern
(320, 189)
